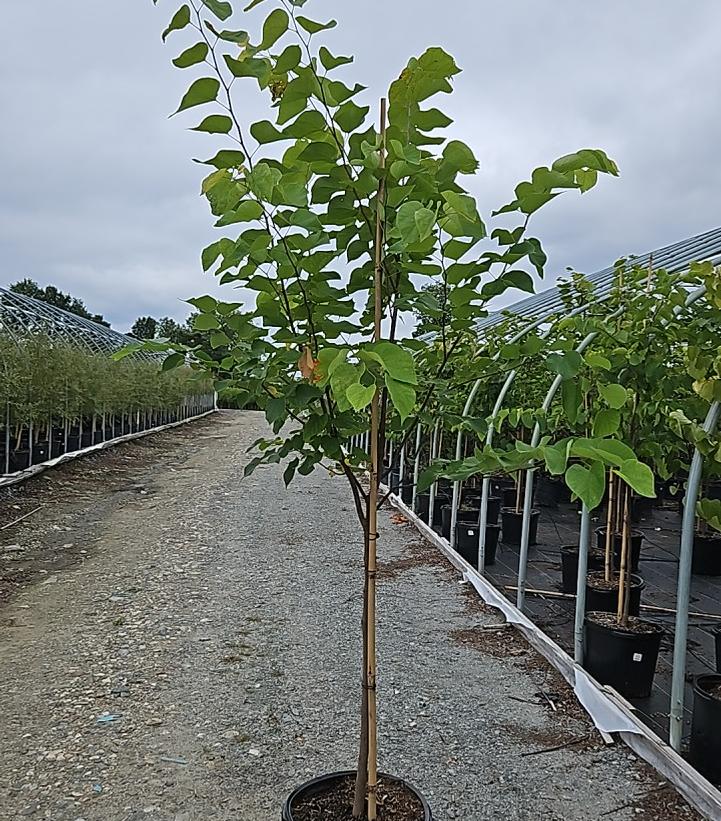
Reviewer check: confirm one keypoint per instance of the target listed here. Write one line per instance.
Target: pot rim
(534, 511)
(288, 805)
(657, 629)
(634, 531)
(640, 581)
(699, 681)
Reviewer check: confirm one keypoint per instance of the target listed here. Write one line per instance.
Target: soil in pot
(705, 744)
(602, 596)
(513, 523)
(569, 565)
(624, 657)
(467, 542)
(636, 541)
(706, 559)
(330, 798)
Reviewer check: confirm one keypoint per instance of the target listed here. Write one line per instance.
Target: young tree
(332, 223)
(144, 327)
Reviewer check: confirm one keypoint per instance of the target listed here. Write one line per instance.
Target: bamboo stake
(372, 786)
(623, 584)
(608, 562)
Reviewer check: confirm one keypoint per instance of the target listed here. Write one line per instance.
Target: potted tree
(334, 222)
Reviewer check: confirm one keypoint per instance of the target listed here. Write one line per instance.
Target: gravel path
(182, 645)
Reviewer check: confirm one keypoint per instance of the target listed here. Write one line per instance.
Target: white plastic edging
(35, 470)
(609, 712)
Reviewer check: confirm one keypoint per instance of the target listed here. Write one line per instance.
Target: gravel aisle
(200, 659)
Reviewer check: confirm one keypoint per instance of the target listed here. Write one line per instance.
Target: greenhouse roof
(673, 258)
(21, 315)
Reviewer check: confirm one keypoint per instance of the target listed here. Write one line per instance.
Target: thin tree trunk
(623, 582)
(369, 650)
(608, 559)
(361, 782)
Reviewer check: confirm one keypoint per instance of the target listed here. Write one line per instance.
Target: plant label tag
(470, 532)
(637, 656)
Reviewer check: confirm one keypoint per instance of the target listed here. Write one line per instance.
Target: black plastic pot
(547, 494)
(39, 451)
(393, 481)
(636, 541)
(508, 496)
(569, 565)
(705, 745)
(423, 501)
(326, 782)
(716, 632)
(606, 601)
(440, 501)
(513, 523)
(407, 492)
(463, 515)
(19, 460)
(493, 510)
(641, 508)
(625, 660)
(467, 542)
(706, 555)
(73, 442)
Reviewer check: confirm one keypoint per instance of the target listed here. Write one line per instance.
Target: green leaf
(275, 26)
(556, 457)
(638, 476)
(226, 158)
(589, 484)
(519, 279)
(397, 361)
(180, 20)
(312, 27)
(220, 9)
(203, 90)
(567, 364)
(289, 59)
(275, 410)
(351, 116)
(406, 222)
(205, 322)
(263, 179)
(265, 132)
(215, 124)
(597, 361)
(571, 399)
(205, 304)
(425, 222)
(253, 4)
(710, 511)
(402, 395)
(174, 360)
(610, 451)
(614, 395)
(360, 396)
(191, 56)
(330, 62)
(460, 157)
(606, 422)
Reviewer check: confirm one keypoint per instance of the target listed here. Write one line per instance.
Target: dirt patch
(500, 642)
(34, 546)
(418, 553)
(663, 802)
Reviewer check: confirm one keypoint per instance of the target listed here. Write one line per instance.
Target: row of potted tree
(56, 398)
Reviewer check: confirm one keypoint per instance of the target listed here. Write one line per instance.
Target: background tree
(144, 327)
(56, 297)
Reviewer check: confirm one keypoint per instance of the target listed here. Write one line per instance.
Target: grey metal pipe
(416, 467)
(584, 542)
(683, 591)
(432, 491)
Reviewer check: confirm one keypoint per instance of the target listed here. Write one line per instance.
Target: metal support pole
(401, 471)
(416, 467)
(432, 492)
(525, 539)
(456, 498)
(7, 437)
(683, 591)
(584, 543)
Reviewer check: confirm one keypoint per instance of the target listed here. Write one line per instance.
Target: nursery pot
(634, 548)
(508, 496)
(440, 501)
(717, 644)
(606, 601)
(547, 494)
(513, 523)
(407, 492)
(19, 460)
(467, 534)
(327, 784)
(468, 514)
(641, 508)
(423, 501)
(569, 565)
(624, 658)
(393, 480)
(39, 451)
(705, 745)
(706, 559)
(493, 511)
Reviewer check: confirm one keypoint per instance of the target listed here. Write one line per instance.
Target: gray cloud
(99, 194)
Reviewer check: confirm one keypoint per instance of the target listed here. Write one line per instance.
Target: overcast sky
(99, 196)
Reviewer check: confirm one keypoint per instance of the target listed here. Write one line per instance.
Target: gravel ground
(179, 645)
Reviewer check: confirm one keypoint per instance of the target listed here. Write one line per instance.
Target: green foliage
(53, 296)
